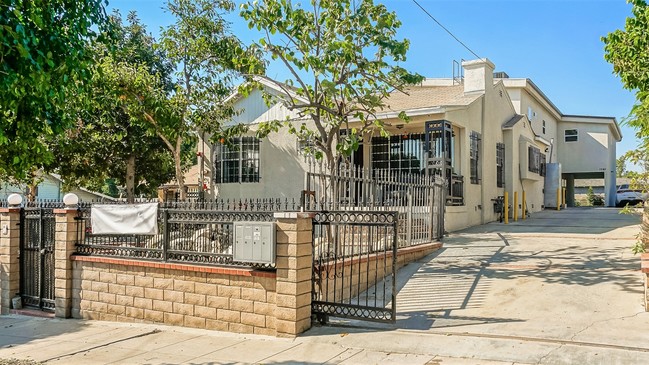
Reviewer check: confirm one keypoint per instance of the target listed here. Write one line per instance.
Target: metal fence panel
(354, 265)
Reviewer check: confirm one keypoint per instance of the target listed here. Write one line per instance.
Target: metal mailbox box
(254, 242)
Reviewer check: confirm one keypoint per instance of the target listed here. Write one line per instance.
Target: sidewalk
(55, 341)
(560, 288)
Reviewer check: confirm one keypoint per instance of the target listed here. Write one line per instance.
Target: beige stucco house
(484, 135)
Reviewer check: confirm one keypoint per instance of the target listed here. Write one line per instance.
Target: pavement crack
(103, 345)
(602, 321)
(549, 353)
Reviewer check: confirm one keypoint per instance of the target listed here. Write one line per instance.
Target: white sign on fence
(124, 219)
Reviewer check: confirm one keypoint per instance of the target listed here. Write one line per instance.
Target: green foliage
(620, 167)
(593, 199)
(44, 59)
(105, 135)
(205, 56)
(343, 59)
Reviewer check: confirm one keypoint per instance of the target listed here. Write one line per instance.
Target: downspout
(481, 153)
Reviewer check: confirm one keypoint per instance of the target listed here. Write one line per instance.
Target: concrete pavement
(560, 288)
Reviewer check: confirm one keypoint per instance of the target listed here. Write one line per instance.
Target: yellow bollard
(565, 205)
(506, 208)
(558, 198)
(523, 208)
(515, 206)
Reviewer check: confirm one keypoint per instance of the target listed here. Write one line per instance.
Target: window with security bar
(543, 165)
(500, 165)
(474, 157)
(238, 163)
(534, 159)
(399, 153)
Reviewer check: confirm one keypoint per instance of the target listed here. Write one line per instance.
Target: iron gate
(354, 265)
(37, 225)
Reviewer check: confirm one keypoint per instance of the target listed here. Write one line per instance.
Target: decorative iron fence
(418, 199)
(187, 234)
(354, 265)
(37, 233)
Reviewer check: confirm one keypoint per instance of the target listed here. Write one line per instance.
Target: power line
(443, 27)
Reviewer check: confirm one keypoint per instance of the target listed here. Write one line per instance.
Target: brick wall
(235, 300)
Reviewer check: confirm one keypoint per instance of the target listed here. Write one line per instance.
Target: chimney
(478, 75)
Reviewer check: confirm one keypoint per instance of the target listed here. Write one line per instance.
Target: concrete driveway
(559, 288)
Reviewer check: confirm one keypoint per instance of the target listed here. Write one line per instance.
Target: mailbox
(254, 242)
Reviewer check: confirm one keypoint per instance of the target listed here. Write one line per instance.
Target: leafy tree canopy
(106, 142)
(343, 59)
(44, 59)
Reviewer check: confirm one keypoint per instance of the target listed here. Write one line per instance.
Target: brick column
(294, 270)
(9, 256)
(66, 237)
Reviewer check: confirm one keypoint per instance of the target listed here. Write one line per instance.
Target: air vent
(500, 75)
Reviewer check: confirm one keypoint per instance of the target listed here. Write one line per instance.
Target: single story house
(51, 188)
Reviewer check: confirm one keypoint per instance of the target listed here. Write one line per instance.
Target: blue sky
(556, 43)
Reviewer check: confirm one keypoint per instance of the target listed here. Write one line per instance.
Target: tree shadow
(460, 275)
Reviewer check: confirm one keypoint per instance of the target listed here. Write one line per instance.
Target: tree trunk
(130, 179)
(179, 177)
(32, 188)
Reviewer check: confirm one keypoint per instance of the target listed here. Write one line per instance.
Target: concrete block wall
(241, 300)
(9, 256)
(224, 299)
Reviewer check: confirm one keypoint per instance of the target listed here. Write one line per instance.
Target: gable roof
(417, 97)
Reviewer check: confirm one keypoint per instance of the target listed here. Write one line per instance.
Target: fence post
(409, 215)
(294, 272)
(64, 241)
(9, 256)
(165, 234)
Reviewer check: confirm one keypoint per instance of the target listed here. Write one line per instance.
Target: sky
(555, 43)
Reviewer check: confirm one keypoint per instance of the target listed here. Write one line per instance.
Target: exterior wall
(180, 295)
(281, 167)
(590, 153)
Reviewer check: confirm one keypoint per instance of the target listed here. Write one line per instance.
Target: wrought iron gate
(37, 225)
(354, 265)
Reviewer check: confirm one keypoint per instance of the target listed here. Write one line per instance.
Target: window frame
(240, 164)
(475, 143)
(571, 136)
(500, 165)
(534, 159)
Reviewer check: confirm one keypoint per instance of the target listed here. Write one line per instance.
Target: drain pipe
(481, 153)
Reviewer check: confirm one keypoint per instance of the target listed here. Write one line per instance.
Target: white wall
(590, 153)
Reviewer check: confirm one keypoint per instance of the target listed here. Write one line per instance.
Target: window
(543, 127)
(500, 165)
(530, 113)
(543, 165)
(533, 159)
(474, 157)
(404, 153)
(571, 135)
(239, 163)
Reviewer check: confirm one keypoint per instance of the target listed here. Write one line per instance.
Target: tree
(620, 167)
(44, 59)
(343, 60)
(206, 57)
(628, 51)
(107, 142)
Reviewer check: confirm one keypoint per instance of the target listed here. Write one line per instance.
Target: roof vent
(500, 75)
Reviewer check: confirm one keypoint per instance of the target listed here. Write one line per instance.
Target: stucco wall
(590, 153)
